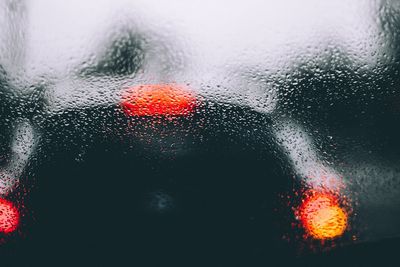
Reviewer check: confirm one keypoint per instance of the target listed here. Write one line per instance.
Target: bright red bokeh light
(9, 216)
(158, 100)
(322, 216)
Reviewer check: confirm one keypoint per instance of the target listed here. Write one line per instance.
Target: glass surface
(199, 133)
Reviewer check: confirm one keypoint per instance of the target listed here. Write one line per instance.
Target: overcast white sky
(218, 33)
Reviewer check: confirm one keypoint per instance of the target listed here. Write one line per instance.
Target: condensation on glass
(324, 72)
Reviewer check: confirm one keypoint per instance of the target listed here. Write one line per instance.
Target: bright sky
(212, 33)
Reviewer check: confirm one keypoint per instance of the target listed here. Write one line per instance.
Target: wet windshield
(198, 133)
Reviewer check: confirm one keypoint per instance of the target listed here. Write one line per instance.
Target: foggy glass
(314, 83)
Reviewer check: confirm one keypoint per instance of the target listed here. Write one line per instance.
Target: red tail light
(322, 216)
(158, 100)
(9, 216)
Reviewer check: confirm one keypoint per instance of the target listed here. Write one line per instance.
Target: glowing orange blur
(322, 216)
(158, 100)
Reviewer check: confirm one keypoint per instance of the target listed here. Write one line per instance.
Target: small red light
(322, 217)
(9, 216)
(158, 100)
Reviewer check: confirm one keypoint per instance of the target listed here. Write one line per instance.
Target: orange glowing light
(158, 100)
(322, 216)
(9, 217)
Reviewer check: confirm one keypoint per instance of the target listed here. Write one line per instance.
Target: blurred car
(151, 133)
